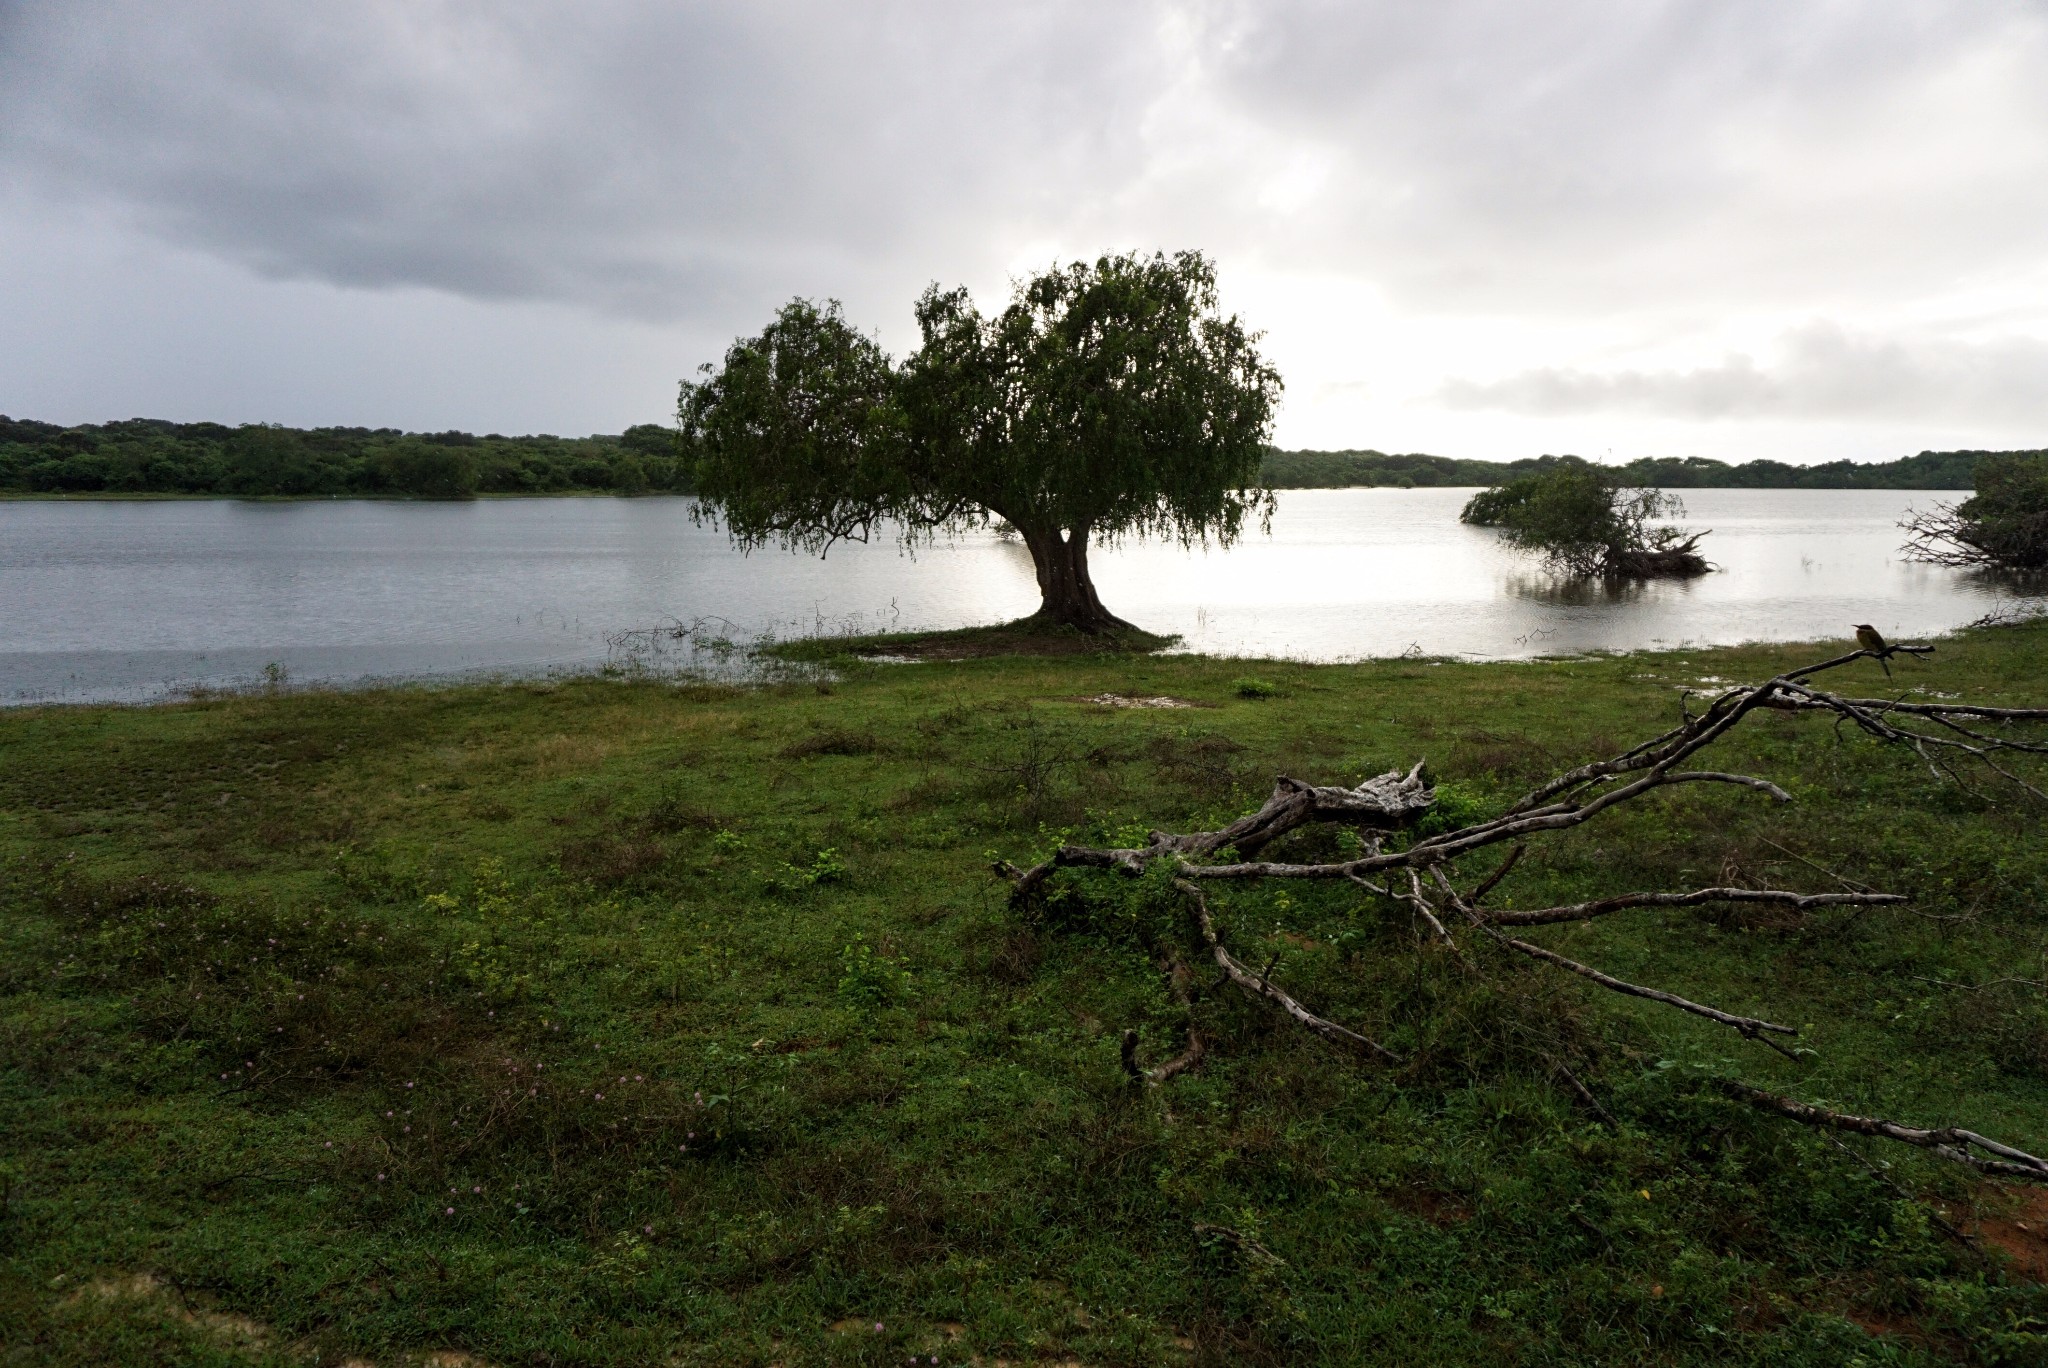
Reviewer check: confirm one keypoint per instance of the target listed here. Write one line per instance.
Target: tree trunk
(1067, 594)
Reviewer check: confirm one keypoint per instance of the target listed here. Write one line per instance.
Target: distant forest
(151, 456)
(1348, 469)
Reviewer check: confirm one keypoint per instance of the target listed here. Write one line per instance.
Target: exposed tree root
(1420, 873)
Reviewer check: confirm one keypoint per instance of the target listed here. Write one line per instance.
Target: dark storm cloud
(638, 157)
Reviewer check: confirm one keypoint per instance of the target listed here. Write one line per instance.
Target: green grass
(1034, 636)
(612, 1022)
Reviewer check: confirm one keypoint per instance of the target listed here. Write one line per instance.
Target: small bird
(1870, 639)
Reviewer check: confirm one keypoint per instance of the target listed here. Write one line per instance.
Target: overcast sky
(1474, 227)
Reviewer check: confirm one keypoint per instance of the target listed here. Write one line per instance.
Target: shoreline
(153, 496)
(823, 661)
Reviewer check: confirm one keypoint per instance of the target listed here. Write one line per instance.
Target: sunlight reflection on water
(130, 600)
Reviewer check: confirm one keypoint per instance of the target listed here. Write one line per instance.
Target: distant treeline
(1346, 469)
(151, 456)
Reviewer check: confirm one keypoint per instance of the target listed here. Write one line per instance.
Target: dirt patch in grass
(2021, 1234)
(238, 1337)
(610, 859)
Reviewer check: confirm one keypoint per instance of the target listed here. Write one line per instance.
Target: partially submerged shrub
(1587, 524)
(2003, 526)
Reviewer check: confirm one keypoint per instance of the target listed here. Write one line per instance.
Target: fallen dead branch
(1420, 873)
(1950, 1142)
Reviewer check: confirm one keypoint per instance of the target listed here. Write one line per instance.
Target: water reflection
(129, 600)
(1579, 591)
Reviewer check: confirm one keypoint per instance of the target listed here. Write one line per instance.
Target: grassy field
(625, 1023)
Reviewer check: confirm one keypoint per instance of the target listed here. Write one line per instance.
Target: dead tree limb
(1585, 1095)
(1950, 1142)
(1750, 1028)
(1260, 987)
(1600, 907)
(1381, 808)
(1177, 978)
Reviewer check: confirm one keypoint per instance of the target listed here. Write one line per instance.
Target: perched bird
(1870, 639)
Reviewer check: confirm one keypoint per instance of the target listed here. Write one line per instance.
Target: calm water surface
(136, 600)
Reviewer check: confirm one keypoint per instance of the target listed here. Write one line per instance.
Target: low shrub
(1585, 523)
(2003, 526)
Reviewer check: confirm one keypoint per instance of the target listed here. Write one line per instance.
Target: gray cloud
(1823, 372)
(641, 158)
(1577, 157)
(1632, 169)
(652, 158)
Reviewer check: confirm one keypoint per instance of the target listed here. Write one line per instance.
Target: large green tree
(1108, 399)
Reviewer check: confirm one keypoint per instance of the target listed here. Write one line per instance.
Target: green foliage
(798, 437)
(1346, 469)
(825, 868)
(1108, 399)
(1250, 686)
(1457, 805)
(868, 978)
(2003, 526)
(1580, 519)
(149, 456)
(430, 470)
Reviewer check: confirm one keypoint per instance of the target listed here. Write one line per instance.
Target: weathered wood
(1385, 804)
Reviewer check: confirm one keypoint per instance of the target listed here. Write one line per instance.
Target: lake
(134, 601)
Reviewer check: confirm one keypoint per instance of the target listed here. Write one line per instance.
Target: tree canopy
(1107, 399)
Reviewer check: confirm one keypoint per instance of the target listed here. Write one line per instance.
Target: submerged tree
(1586, 523)
(2003, 526)
(1106, 400)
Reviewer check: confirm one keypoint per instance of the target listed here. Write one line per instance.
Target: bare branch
(1585, 1095)
(1750, 1028)
(1420, 903)
(1819, 869)
(1384, 802)
(1950, 1142)
(1715, 777)
(1259, 987)
(1600, 907)
(1491, 881)
(1943, 734)
(1946, 709)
